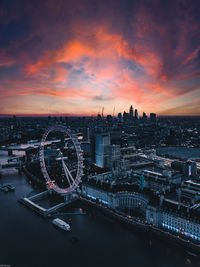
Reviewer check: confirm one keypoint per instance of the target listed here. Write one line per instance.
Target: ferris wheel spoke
(66, 172)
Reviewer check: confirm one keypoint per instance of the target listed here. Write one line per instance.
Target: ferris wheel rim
(77, 147)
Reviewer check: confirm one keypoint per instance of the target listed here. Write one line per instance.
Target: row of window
(180, 221)
(131, 201)
(193, 236)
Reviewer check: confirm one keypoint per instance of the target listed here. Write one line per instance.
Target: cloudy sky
(75, 57)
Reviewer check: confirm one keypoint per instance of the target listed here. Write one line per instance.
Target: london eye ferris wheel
(62, 168)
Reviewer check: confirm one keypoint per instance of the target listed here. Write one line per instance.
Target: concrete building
(101, 141)
(120, 200)
(86, 134)
(174, 215)
(188, 168)
(160, 182)
(112, 156)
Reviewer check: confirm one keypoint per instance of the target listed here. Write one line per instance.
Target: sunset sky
(75, 57)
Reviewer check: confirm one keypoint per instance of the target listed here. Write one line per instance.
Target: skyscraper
(144, 117)
(125, 116)
(153, 117)
(131, 113)
(112, 156)
(101, 141)
(136, 115)
(120, 118)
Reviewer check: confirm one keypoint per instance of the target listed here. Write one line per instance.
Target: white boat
(61, 224)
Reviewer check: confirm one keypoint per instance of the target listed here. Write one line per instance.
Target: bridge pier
(31, 203)
(39, 196)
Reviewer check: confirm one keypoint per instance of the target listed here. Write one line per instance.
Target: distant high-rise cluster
(133, 115)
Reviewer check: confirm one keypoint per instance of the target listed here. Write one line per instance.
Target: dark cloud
(102, 98)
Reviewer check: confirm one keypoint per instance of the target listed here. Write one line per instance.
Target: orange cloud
(101, 53)
(103, 62)
(97, 44)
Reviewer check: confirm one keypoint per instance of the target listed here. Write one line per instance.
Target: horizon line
(82, 115)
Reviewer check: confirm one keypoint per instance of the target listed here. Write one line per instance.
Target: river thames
(28, 240)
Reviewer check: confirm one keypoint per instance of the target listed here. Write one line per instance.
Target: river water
(28, 240)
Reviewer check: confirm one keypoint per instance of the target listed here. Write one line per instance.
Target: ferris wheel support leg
(66, 172)
(69, 174)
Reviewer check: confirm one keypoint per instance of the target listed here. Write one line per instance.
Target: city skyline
(75, 57)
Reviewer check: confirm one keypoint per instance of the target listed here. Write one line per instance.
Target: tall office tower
(99, 117)
(125, 116)
(86, 134)
(144, 117)
(101, 141)
(112, 156)
(120, 118)
(153, 117)
(136, 115)
(131, 113)
(109, 118)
